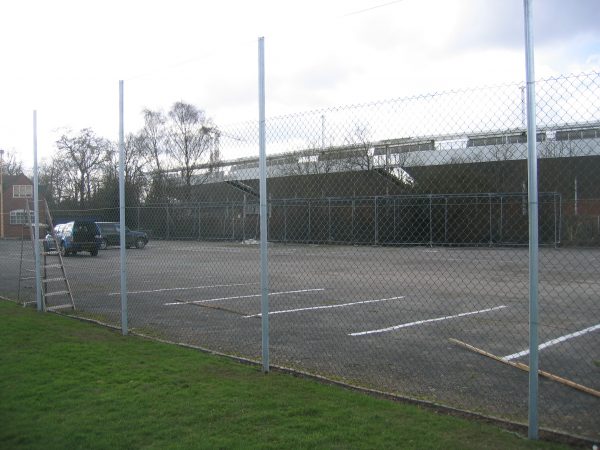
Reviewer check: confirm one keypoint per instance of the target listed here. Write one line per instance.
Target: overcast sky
(64, 58)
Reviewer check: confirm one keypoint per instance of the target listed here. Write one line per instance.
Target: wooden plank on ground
(525, 367)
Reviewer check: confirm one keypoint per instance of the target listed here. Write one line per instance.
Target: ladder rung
(54, 294)
(50, 266)
(48, 280)
(52, 308)
(27, 278)
(50, 253)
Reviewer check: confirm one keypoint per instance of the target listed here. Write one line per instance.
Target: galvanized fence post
(309, 223)
(264, 261)
(36, 220)
(394, 213)
(329, 220)
(353, 211)
(446, 220)
(490, 218)
(123, 246)
(532, 177)
(430, 220)
(376, 221)
(244, 219)
(501, 231)
(284, 221)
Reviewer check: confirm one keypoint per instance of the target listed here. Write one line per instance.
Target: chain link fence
(398, 235)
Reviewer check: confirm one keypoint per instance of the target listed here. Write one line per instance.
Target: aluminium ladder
(56, 290)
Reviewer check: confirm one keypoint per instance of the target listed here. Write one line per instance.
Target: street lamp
(1, 195)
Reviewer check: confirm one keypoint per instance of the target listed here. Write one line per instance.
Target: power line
(371, 8)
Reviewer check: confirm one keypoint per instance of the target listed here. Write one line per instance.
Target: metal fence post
(394, 212)
(123, 246)
(329, 220)
(284, 221)
(36, 221)
(490, 214)
(446, 221)
(556, 220)
(353, 209)
(430, 220)
(376, 221)
(532, 176)
(309, 224)
(501, 220)
(244, 219)
(560, 218)
(232, 222)
(264, 262)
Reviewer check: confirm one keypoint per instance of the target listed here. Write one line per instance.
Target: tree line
(11, 165)
(160, 161)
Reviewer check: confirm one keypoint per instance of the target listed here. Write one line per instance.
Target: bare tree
(193, 139)
(135, 159)
(135, 162)
(83, 156)
(359, 149)
(10, 164)
(153, 137)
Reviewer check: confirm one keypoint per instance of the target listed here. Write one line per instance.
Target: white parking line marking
(420, 322)
(340, 305)
(553, 342)
(183, 288)
(301, 291)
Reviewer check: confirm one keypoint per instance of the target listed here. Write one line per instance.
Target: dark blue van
(78, 236)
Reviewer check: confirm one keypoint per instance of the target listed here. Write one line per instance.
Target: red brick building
(17, 190)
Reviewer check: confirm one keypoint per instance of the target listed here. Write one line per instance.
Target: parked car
(111, 235)
(77, 236)
(49, 243)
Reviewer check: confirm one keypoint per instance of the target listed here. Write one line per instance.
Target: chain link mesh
(396, 229)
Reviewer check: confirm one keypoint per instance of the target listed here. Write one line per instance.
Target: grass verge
(69, 384)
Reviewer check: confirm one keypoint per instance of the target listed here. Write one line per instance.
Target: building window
(22, 191)
(19, 217)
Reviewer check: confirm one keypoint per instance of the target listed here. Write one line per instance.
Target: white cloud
(66, 56)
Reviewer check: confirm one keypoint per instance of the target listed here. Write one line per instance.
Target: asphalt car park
(380, 317)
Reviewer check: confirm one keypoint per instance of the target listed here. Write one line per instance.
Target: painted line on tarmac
(553, 342)
(340, 305)
(484, 260)
(421, 322)
(204, 249)
(183, 288)
(301, 291)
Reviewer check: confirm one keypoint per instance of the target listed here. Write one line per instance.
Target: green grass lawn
(67, 384)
